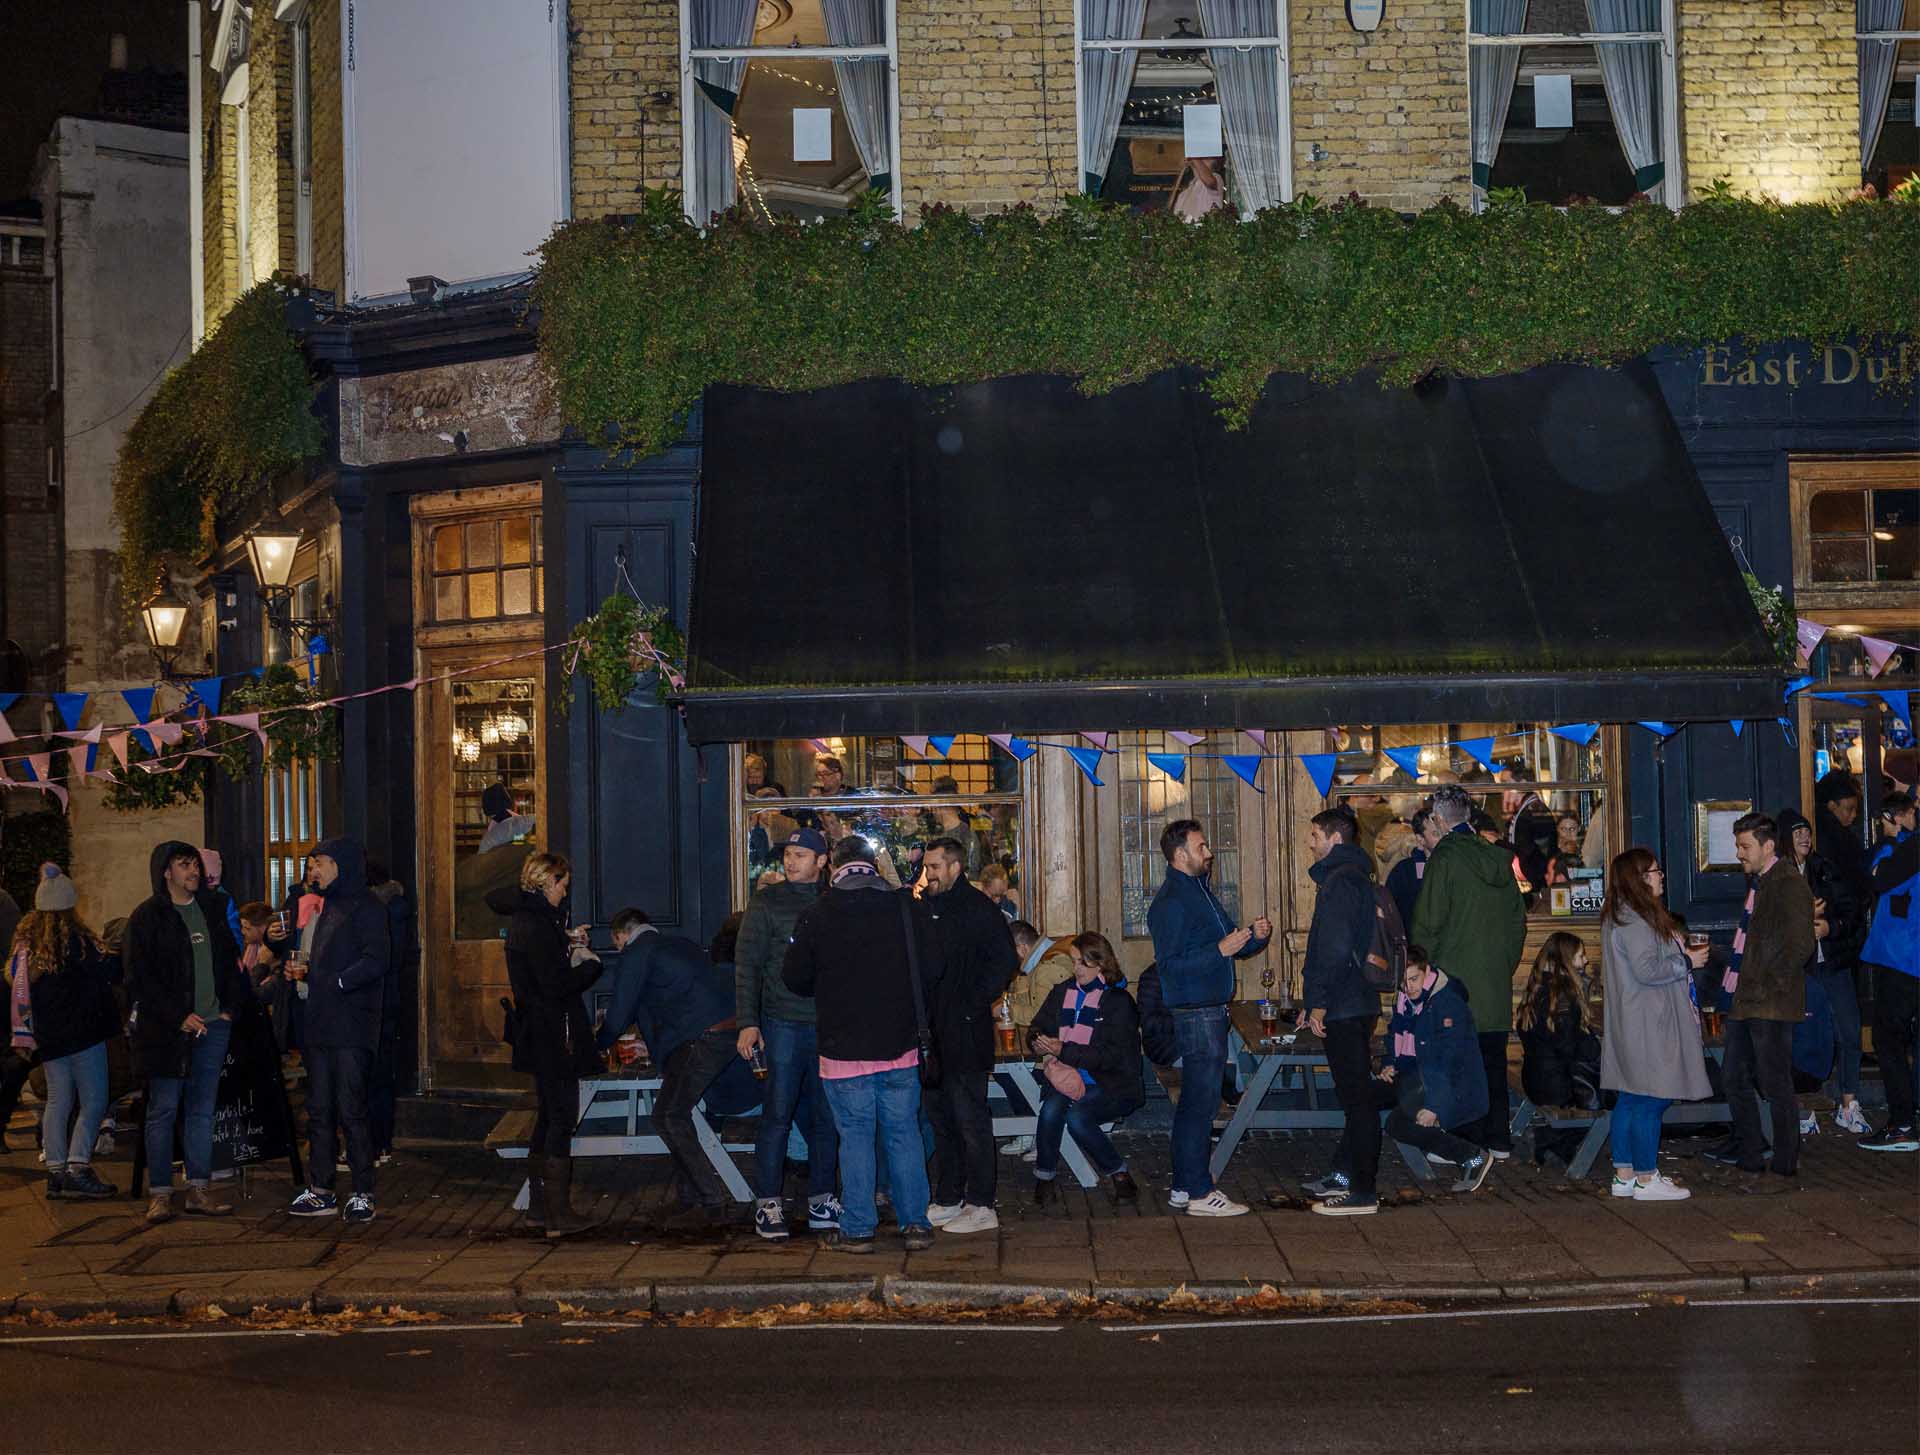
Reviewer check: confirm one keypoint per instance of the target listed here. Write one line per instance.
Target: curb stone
(475, 1300)
(1872, 1280)
(1733, 1285)
(898, 1291)
(602, 1300)
(693, 1298)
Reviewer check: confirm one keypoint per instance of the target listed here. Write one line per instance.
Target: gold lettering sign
(1721, 368)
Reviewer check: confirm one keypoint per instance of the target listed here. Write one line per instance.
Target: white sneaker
(1177, 1200)
(1623, 1187)
(1017, 1147)
(1660, 1189)
(942, 1213)
(1215, 1204)
(971, 1219)
(1852, 1119)
(1809, 1125)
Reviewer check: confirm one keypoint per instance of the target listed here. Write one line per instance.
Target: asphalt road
(1809, 1376)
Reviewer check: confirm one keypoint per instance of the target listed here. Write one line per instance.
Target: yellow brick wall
(329, 185)
(1770, 97)
(623, 50)
(1389, 109)
(269, 124)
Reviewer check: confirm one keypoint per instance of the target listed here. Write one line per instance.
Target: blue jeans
(1636, 1130)
(793, 1072)
(1846, 1026)
(890, 1099)
(197, 1090)
(1083, 1118)
(1200, 1035)
(81, 1077)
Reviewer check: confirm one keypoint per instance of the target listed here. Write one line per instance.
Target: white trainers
(942, 1213)
(1178, 1200)
(971, 1219)
(1660, 1189)
(1852, 1119)
(1623, 1187)
(1215, 1204)
(1809, 1125)
(1017, 1147)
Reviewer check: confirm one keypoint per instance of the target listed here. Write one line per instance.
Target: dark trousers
(689, 1071)
(380, 1092)
(1453, 1146)
(1896, 1002)
(556, 1112)
(1760, 1064)
(337, 1079)
(1350, 1060)
(17, 1066)
(1493, 1130)
(963, 1152)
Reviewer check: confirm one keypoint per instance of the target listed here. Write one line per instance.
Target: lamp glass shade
(163, 620)
(271, 555)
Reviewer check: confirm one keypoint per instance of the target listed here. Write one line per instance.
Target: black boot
(1045, 1194)
(536, 1192)
(1124, 1189)
(562, 1220)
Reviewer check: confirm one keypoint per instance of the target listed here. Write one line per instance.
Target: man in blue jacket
(346, 976)
(1892, 951)
(1195, 944)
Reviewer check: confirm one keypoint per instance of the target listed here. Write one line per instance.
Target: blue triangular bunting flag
(1087, 758)
(1901, 705)
(1798, 684)
(7, 700)
(1786, 731)
(1174, 765)
(1319, 768)
(1020, 748)
(1576, 732)
(1247, 765)
(71, 705)
(1407, 759)
(1480, 750)
(258, 673)
(145, 740)
(1662, 729)
(1736, 725)
(139, 702)
(207, 689)
(942, 746)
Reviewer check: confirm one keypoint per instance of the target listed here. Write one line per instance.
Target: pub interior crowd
(861, 1004)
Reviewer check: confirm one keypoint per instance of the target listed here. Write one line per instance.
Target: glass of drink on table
(1269, 1020)
(1003, 1026)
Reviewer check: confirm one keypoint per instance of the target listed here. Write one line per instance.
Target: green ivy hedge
(237, 412)
(638, 316)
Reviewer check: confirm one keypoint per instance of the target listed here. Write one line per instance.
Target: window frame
(1280, 40)
(888, 50)
(535, 566)
(1873, 604)
(291, 788)
(1671, 156)
(299, 21)
(1219, 779)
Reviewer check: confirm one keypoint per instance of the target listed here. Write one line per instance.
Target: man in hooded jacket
(346, 977)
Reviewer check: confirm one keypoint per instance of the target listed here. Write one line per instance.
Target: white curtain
(863, 84)
(1876, 69)
(1490, 73)
(1249, 84)
(718, 24)
(1632, 77)
(1105, 78)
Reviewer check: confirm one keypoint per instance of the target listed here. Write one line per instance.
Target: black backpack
(1386, 958)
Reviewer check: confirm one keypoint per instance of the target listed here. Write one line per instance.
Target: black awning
(1016, 556)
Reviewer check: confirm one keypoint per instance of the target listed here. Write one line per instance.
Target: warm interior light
(163, 615)
(1883, 535)
(512, 728)
(489, 732)
(271, 555)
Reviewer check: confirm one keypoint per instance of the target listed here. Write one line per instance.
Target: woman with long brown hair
(1651, 1052)
(1087, 1035)
(63, 992)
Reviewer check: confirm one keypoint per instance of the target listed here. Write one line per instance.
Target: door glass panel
(447, 599)
(516, 593)
(480, 551)
(1839, 559)
(482, 595)
(1837, 512)
(446, 548)
(516, 541)
(493, 782)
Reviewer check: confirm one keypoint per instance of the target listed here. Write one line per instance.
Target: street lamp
(164, 615)
(270, 553)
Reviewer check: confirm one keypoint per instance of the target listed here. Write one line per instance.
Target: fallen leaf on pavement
(1511, 1388)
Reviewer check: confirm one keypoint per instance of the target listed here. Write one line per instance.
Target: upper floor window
(1864, 535)
(1183, 103)
(1573, 99)
(793, 105)
(1889, 91)
(483, 570)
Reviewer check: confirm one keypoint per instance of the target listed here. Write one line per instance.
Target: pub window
(1889, 71)
(897, 799)
(484, 570)
(294, 824)
(1545, 798)
(1150, 799)
(792, 104)
(1581, 114)
(1183, 104)
(304, 605)
(1864, 535)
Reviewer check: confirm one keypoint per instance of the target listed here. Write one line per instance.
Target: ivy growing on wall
(237, 412)
(638, 316)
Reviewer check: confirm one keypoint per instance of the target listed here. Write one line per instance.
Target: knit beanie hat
(55, 891)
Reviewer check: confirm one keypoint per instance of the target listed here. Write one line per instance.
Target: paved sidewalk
(446, 1241)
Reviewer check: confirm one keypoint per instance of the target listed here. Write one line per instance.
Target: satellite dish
(1366, 14)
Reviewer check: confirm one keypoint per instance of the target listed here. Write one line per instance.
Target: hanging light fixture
(512, 727)
(490, 731)
(164, 615)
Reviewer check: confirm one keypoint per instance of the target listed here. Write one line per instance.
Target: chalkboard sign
(250, 1119)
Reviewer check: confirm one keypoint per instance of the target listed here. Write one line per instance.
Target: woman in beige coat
(1650, 1053)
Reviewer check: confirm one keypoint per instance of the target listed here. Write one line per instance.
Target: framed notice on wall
(1713, 822)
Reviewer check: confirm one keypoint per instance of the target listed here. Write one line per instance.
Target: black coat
(1551, 1053)
(352, 947)
(849, 952)
(74, 1006)
(1112, 1057)
(1340, 936)
(977, 950)
(1848, 904)
(1158, 1036)
(554, 1036)
(158, 955)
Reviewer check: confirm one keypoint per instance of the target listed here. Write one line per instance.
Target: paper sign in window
(812, 134)
(1553, 101)
(1203, 131)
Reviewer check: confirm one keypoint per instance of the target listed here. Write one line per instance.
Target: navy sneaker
(359, 1208)
(1325, 1186)
(1347, 1205)
(770, 1220)
(312, 1203)
(823, 1212)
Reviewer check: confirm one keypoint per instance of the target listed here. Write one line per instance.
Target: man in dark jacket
(852, 953)
(346, 978)
(186, 986)
(1195, 945)
(1768, 982)
(977, 949)
(1472, 921)
(1839, 925)
(686, 1002)
(780, 1026)
(1342, 1008)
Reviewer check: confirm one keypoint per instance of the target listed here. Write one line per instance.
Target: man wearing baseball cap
(779, 1025)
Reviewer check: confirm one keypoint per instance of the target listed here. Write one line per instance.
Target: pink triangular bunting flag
(1259, 735)
(1099, 740)
(77, 763)
(83, 735)
(1808, 634)
(162, 731)
(1186, 739)
(1879, 652)
(248, 720)
(117, 745)
(918, 743)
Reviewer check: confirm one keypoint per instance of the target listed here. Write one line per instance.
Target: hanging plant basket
(622, 644)
(1776, 616)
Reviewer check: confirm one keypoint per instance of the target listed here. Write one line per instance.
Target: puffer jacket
(553, 1035)
(1447, 1075)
